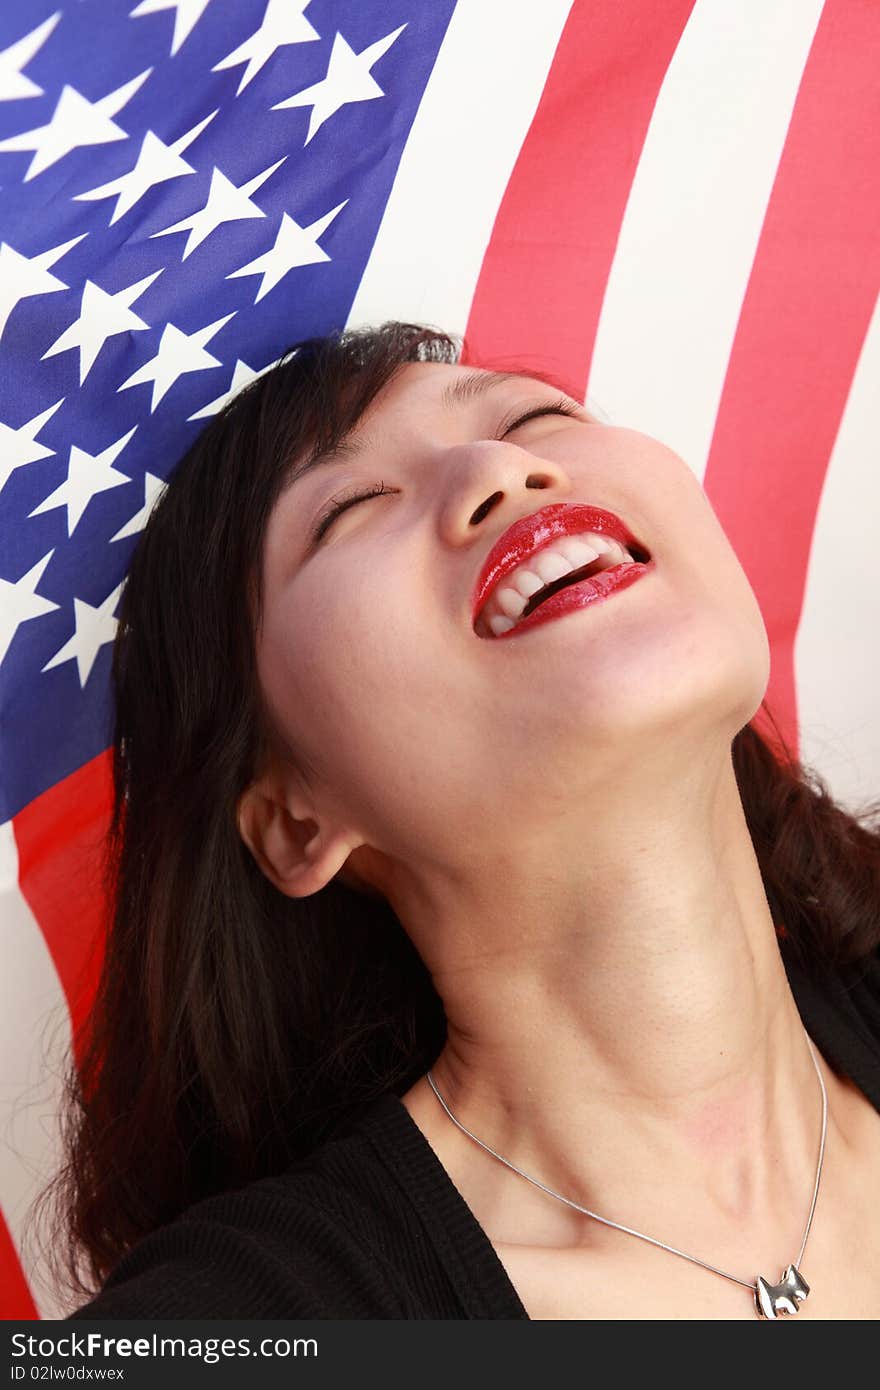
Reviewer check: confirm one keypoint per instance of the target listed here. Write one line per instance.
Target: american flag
(675, 207)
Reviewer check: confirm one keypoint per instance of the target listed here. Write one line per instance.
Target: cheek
(356, 676)
(689, 536)
(361, 691)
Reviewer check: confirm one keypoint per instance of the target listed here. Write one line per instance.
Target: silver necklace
(771, 1300)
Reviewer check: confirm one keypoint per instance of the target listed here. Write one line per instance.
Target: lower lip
(582, 595)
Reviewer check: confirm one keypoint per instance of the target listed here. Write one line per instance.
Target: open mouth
(602, 562)
(499, 616)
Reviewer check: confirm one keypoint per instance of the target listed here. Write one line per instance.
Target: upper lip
(535, 532)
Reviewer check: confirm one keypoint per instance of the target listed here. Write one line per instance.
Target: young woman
(472, 954)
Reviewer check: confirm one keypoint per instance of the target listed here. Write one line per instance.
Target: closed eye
(335, 508)
(560, 407)
(340, 505)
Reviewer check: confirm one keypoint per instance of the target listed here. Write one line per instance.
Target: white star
(22, 277)
(20, 446)
(101, 316)
(87, 475)
(226, 203)
(241, 377)
(93, 627)
(187, 15)
(153, 489)
(76, 121)
(14, 59)
(283, 23)
(178, 353)
(348, 79)
(156, 163)
(19, 602)
(294, 245)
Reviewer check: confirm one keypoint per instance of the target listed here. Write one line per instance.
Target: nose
(486, 475)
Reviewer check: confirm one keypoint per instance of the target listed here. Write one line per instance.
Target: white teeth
(550, 565)
(579, 552)
(506, 606)
(525, 582)
(511, 602)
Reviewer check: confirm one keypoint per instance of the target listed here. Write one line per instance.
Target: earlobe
(296, 855)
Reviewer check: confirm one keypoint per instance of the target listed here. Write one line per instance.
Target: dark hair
(234, 1028)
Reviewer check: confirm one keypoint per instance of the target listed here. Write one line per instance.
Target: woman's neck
(630, 1039)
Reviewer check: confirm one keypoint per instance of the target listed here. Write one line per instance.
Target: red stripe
(60, 842)
(59, 837)
(15, 1296)
(543, 277)
(804, 318)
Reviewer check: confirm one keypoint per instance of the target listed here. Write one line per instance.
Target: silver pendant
(778, 1300)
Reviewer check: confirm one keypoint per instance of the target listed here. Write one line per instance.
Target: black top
(370, 1225)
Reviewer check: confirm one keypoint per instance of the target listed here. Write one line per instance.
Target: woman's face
(440, 752)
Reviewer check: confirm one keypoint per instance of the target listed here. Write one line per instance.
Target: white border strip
(694, 218)
(474, 116)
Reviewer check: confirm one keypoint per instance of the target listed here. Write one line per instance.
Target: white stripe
(837, 657)
(474, 115)
(34, 1036)
(694, 217)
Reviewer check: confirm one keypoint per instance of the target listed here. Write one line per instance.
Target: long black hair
(234, 1027)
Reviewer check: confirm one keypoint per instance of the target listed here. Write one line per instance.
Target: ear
(294, 850)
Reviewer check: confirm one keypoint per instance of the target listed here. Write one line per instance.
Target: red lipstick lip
(535, 532)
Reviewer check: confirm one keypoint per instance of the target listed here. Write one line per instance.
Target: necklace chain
(746, 1283)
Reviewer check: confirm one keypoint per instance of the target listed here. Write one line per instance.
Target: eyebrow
(459, 392)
